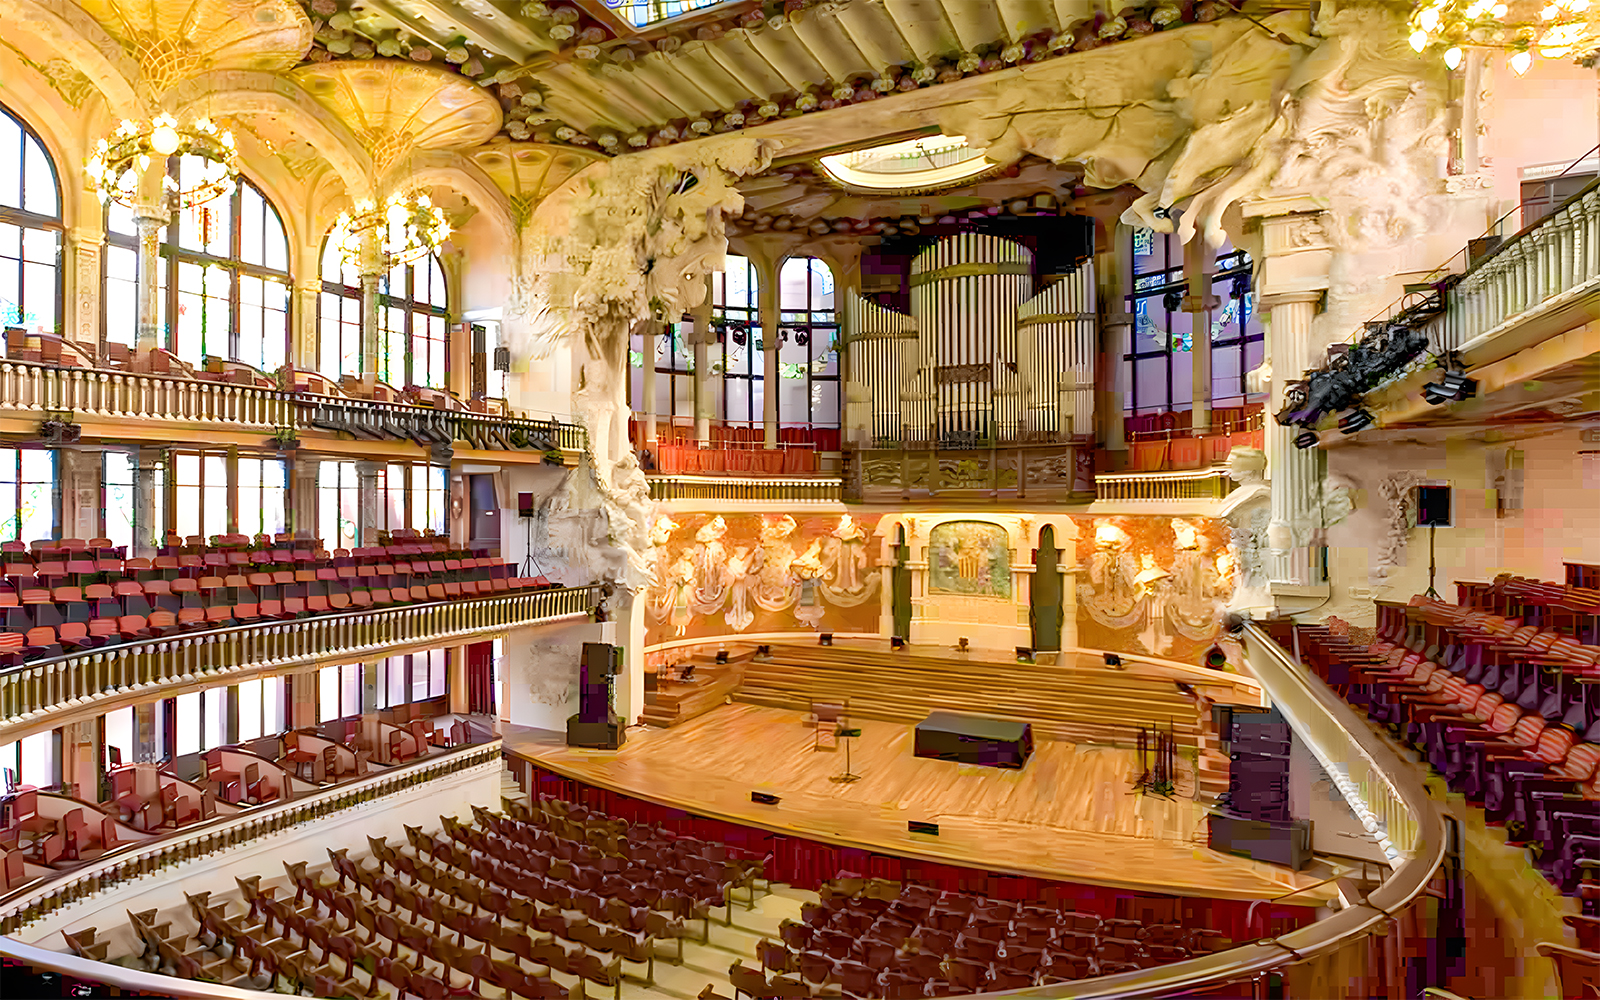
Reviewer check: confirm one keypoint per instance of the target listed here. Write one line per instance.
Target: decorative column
(81, 508)
(647, 405)
(1296, 257)
(1293, 471)
(703, 338)
(371, 269)
(1113, 269)
(306, 352)
(146, 480)
(148, 220)
(83, 291)
(303, 518)
(367, 501)
(1198, 263)
(145, 748)
(767, 308)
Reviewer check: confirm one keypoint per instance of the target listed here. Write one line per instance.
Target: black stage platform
(969, 739)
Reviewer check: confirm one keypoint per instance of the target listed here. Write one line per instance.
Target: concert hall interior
(694, 499)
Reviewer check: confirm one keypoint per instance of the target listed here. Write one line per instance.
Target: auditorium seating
(1499, 695)
(1062, 704)
(69, 595)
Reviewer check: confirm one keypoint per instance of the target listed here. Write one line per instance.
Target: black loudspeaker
(825, 639)
(764, 798)
(1433, 506)
(1024, 654)
(1113, 660)
(895, 642)
(601, 661)
(525, 505)
(722, 656)
(931, 829)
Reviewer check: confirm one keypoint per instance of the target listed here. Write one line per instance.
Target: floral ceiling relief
(1153, 585)
(721, 574)
(971, 558)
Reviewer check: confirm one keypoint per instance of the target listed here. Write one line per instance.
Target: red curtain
(480, 678)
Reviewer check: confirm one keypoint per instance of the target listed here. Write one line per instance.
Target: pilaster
(147, 476)
(82, 294)
(367, 501)
(303, 519)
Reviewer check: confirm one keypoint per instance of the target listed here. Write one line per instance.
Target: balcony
(86, 683)
(737, 449)
(1202, 484)
(816, 489)
(162, 406)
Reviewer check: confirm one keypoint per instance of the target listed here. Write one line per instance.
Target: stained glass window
(642, 12)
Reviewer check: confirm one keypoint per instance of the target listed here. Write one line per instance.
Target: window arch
(30, 230)
(808, 347)
(224, 275)
(736, 323)
(413, 321)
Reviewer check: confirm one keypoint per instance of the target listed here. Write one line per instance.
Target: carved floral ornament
(177, 40)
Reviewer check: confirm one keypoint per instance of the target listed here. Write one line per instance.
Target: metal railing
(1201, 484)
(33, 691)
(39, 899)
(819, 490)
(121, 395)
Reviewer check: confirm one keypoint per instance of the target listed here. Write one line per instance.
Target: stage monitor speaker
(931, 829)
(1113, 660)
(722, 656)
(1433, 506)
(525, 505)
(764, 798)
(825, 639)
(896, 642)
(1024, 654)
(601, 660)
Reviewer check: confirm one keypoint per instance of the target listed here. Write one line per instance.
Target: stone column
(1113, 271)
(371, 269)
(148, 220)
(82, 295)
(367, 502)
(81, 508)
(147, 534)
(306, 354)
(767, 306)
(302, 707)
(1293, 471)
(455, 684)
(647, 405)
(80, 771)
(1199, 261)
(303, 519)
(145, 747)
(703, 338)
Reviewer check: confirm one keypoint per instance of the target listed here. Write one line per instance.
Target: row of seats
(52, 607)
(911, 941)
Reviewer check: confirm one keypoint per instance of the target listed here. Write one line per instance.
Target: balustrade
(1210, 484)
(1554, 260)
(34, 690)
(33, 387)
(818, 490)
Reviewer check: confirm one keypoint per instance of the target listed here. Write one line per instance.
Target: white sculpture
(624, 242)
(1247, 466)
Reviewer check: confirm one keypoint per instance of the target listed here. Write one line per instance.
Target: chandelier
(1552, 28)
(208, 162)
(406, 228)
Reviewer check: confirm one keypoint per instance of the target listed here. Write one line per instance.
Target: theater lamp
(1308, 439)
(1452, 387)
(1354, 421)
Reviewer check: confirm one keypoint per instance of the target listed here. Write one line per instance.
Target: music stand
(847, 734)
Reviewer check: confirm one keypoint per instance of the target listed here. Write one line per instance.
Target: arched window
(736, 321)
(224, 275)
(339, 316)
(30, 231)
(808, 348)
(413, 315)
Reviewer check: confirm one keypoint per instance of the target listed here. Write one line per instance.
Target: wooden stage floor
(1070, 814)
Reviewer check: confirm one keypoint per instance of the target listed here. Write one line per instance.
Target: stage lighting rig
(1306, 439)
(1453, 386)
(1355, 421)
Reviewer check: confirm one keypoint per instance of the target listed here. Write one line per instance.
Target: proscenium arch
(246, 93)
(75, 36)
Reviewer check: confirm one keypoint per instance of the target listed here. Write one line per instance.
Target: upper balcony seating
(1508, 711)
(73, 595)
(734, 449)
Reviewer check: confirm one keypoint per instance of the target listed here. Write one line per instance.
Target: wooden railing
(1555, 260)
(95, 393)
(819, 490)
(1203, 484)
(33, 691)
(146, 859)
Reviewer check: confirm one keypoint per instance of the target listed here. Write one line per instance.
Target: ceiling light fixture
(208, 162)
(406, 228)
(1551, 28)
(924, 164)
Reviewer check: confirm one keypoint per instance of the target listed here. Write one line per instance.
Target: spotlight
(896, 642)
(722, 656)
(1452, 386)
(1355, 420)
(764, 798)
(1114, 661)
(825, 639)
(1306, 440)
(1024, 654)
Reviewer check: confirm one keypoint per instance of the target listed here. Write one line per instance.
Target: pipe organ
(977, 363)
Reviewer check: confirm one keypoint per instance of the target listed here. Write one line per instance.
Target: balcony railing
(1204, 484)
(1555, 260)
(817, 490)
(125, 396)
(121, 867)
(35, 690)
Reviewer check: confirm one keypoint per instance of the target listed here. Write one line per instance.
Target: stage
(1070, 814)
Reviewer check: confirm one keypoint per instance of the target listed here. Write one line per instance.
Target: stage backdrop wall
(732, 574)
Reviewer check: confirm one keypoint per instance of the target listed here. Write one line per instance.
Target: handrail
(33, 690)
(1213, 483)
(36, 386)
(819, 489)
(51, 893)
